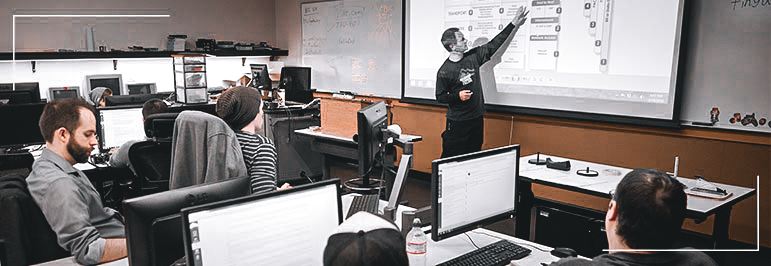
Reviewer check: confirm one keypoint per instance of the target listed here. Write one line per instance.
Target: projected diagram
(599, 12)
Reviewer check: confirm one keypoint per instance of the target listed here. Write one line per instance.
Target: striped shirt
(260, 157)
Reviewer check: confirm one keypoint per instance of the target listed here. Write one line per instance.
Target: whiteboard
(354, 45)
(729, 63)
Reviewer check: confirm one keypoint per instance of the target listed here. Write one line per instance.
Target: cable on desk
(515, 242)
(472, 240)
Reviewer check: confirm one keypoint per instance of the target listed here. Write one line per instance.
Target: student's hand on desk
(284, 186)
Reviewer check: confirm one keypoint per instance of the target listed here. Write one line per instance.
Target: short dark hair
(449, 38)
(154, 106)
(651, 207)
(62, 113)
(106, 92)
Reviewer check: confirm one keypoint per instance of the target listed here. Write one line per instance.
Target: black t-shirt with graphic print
(448, 79)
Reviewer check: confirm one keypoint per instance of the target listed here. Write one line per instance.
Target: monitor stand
(405, 163)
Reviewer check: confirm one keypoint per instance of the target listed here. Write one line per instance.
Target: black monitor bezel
(370, 125)
(100, 130)
(435, 234)
(186, 211)
(143, 213)
(296, 92)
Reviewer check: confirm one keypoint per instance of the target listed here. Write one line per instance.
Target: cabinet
(190, 78)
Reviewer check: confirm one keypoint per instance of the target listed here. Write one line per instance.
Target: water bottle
(416, 244)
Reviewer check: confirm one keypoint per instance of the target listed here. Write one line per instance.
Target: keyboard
(498, 253)
(367, 203)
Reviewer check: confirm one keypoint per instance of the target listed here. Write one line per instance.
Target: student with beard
(71, 205)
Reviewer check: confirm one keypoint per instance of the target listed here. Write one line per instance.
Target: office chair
(204, 149)
(151, 159)
(28, 237)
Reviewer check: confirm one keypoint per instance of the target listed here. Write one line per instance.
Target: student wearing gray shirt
(71, 205)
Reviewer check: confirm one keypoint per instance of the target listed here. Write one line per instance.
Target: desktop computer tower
(580, 229)
(295, 157)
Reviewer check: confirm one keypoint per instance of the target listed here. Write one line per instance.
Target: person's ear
(62, 135)
(612, 213)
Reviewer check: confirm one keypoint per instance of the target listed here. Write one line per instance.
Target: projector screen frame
(673, 123)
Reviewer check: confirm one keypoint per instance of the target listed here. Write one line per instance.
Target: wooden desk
(330, 146)
(699, 208)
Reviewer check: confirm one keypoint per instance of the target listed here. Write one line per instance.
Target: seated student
(119, 157)
(96, 96)
(646, 212)
(366, 239)
(70, 204)
(241, 109)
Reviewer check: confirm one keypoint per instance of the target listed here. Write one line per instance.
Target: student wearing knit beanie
(96, 96)
(241, 109)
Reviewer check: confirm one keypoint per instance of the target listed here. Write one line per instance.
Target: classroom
(332, 75)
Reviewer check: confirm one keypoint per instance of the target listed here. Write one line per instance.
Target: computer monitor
(135, 99)
(153, 224)
(32, 87)
(15, 97)
(112, 81)
(58, 93)
(21, 128)
(119, 124)
(260, 77)
(371, 120)
(472, 190)
(296, 82)
(288, 227)
(141, 88)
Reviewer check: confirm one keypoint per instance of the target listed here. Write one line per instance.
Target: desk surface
(610, 176)
(437, 251)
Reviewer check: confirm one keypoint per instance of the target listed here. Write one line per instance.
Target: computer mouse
(564, 252)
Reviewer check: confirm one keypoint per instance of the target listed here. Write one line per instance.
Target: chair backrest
(204, 149)
(28, 237)
(151, 161)
(160, 127)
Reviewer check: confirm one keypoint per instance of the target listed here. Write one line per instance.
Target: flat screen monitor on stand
(472, 190)
(296, 82)
(20, 92)
(153, 223)
(24, 129)
(57, 93)
(112, 81)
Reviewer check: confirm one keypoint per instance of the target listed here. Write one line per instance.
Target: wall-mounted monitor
(112, 81)
(141, 88)
(58, 93)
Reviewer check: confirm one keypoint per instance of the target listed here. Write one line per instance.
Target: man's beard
(79, 153)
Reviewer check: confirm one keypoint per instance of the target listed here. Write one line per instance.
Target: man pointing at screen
(458, 85)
